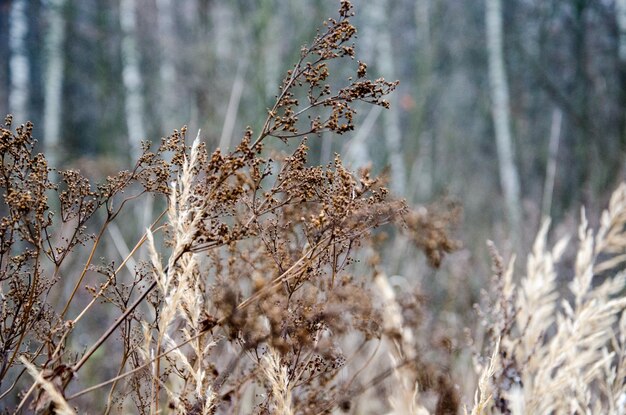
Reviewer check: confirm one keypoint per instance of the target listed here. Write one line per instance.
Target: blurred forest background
(98, 76)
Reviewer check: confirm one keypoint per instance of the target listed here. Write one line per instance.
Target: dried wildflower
(250, 280)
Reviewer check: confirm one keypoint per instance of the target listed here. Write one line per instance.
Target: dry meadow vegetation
(262, 290)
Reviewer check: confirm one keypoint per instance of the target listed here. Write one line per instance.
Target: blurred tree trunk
(231, 70)
(356, 152)
(131, 76)
(620, 8)
(4, 69)
(585, 145)
(499, 92)
(19, 66)
(379, 39)
(54, 81)
(273, 20)
(553, 148)
(169, 105)
(233, 107)
(421, 180)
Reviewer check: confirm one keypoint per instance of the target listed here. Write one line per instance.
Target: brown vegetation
(261, 288)
(249, 302)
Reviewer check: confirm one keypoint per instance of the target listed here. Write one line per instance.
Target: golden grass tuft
(563, 352)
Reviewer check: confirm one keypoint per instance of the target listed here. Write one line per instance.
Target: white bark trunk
(422, 23)
(131, 76)
(620, 8)
(272, 54)
(378, 33)
(18, 63)
(509, 179)
(553, 148)
(356, 151)
(420, 183)
(230, 68)
(225, 37)
(233, 108)
(169, 102)
(54, 81)
(421, 179)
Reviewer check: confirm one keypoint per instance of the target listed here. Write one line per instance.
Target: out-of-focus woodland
(96, 77)
(513, 110)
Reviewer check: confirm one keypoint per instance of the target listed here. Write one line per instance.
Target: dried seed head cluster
(428, 230)
(44, 230)
(251, 281)
(309, 78)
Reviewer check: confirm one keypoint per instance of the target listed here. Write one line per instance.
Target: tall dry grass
(561, 352)
(264, 291)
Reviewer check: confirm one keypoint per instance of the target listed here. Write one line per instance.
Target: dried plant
(249, 302)
(255, 298)
(276, 374)
(556, 355)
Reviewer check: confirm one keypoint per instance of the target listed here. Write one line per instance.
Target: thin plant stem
(85, 268)
(119, 268)
(135, 370)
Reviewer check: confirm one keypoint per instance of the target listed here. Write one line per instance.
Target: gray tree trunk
(620, 8)
(272, 54)
(378, 39)
(232, 109)
(131, 76)
(553, 148)
(54, 81)
(134, 99)
(356, 150)
(509, 179)
(19, 66)
(421, 179)
(169, 104)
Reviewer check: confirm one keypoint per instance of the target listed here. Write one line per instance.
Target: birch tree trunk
(379, 39)
(271, 55)
(169, 104)
(553, 148)
(19, 66)
(620, 9)
(228, 64)
(421, 179)
(4, 69)
(356, 152)
(131, 76)
(509, 179)
(134, 100)
(54, 81)
(232, 108)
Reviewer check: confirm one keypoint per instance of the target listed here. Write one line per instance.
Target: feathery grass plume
(404, 397)
(561, 356)
(610, 238)
(483, 398)
(276, 374)
(416, 385)
(536, 300)
(613, 381)
(49, 398)
(181, 292)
